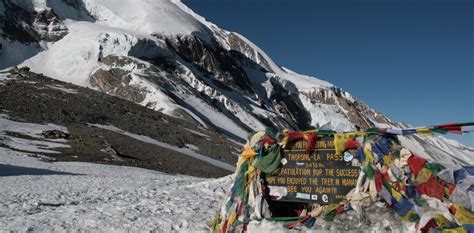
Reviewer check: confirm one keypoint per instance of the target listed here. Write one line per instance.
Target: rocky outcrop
(117, 82)
(289, 107)
(48, 26)
(237, 44)
(213, 61)
(55, 134)
(28, 26)
(356, 111)
(17, 23)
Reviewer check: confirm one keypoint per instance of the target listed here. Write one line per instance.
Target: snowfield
(36, 195)
(41, 196)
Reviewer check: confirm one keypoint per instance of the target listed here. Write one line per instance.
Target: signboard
(319, 177)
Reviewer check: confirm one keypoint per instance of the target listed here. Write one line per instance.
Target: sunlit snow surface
(42, 196)
(45, 197)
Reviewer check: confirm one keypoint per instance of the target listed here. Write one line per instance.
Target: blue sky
(412, 60)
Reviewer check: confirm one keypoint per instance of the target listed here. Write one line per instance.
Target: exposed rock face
(48, 26)
(213, 61)
(24, 26)
(237, 44)
(117, 82)
(16, 23)
(22, 29)
(55, 134)
(206, 71)
(74, 3)
(118, 61)
(290, 107)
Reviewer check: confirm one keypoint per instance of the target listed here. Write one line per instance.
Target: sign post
(319, 177)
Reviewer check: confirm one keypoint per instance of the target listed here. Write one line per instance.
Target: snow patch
(322, 114)
(30, 145)
(192, 147)
(28, 129)
(230, 101)
(4, 77)
(37, 144)
(348, 96)
(197, 133)
(155, 98)
(63, 89)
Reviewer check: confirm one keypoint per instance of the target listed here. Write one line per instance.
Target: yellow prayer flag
(331, 207)
(387, 160)
(368, 153)
(409, 215)
(248, 153)
(441, 221)
(455, 230)
(423, 176)
(341, 139)
(424, 131)
(396, 194)
(232, 218)
(463, 216)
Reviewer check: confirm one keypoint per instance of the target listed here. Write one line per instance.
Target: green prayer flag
(435, 168)
(271, 161)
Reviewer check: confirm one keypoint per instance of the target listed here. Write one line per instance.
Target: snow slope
(131, 21)
(147, 16)
(79, 52)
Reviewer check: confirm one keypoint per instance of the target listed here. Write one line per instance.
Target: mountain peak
(162, 55)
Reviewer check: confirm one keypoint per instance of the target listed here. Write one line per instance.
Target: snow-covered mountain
(160, 54)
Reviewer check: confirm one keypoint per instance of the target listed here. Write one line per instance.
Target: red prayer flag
(430, 224)
(431, 188)
(446, 125)
(340, 210)
(351, 144)
(416, 163)
(295, 136)
(378, 181)
(311, 139)
(453, 128)
(267, 139)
